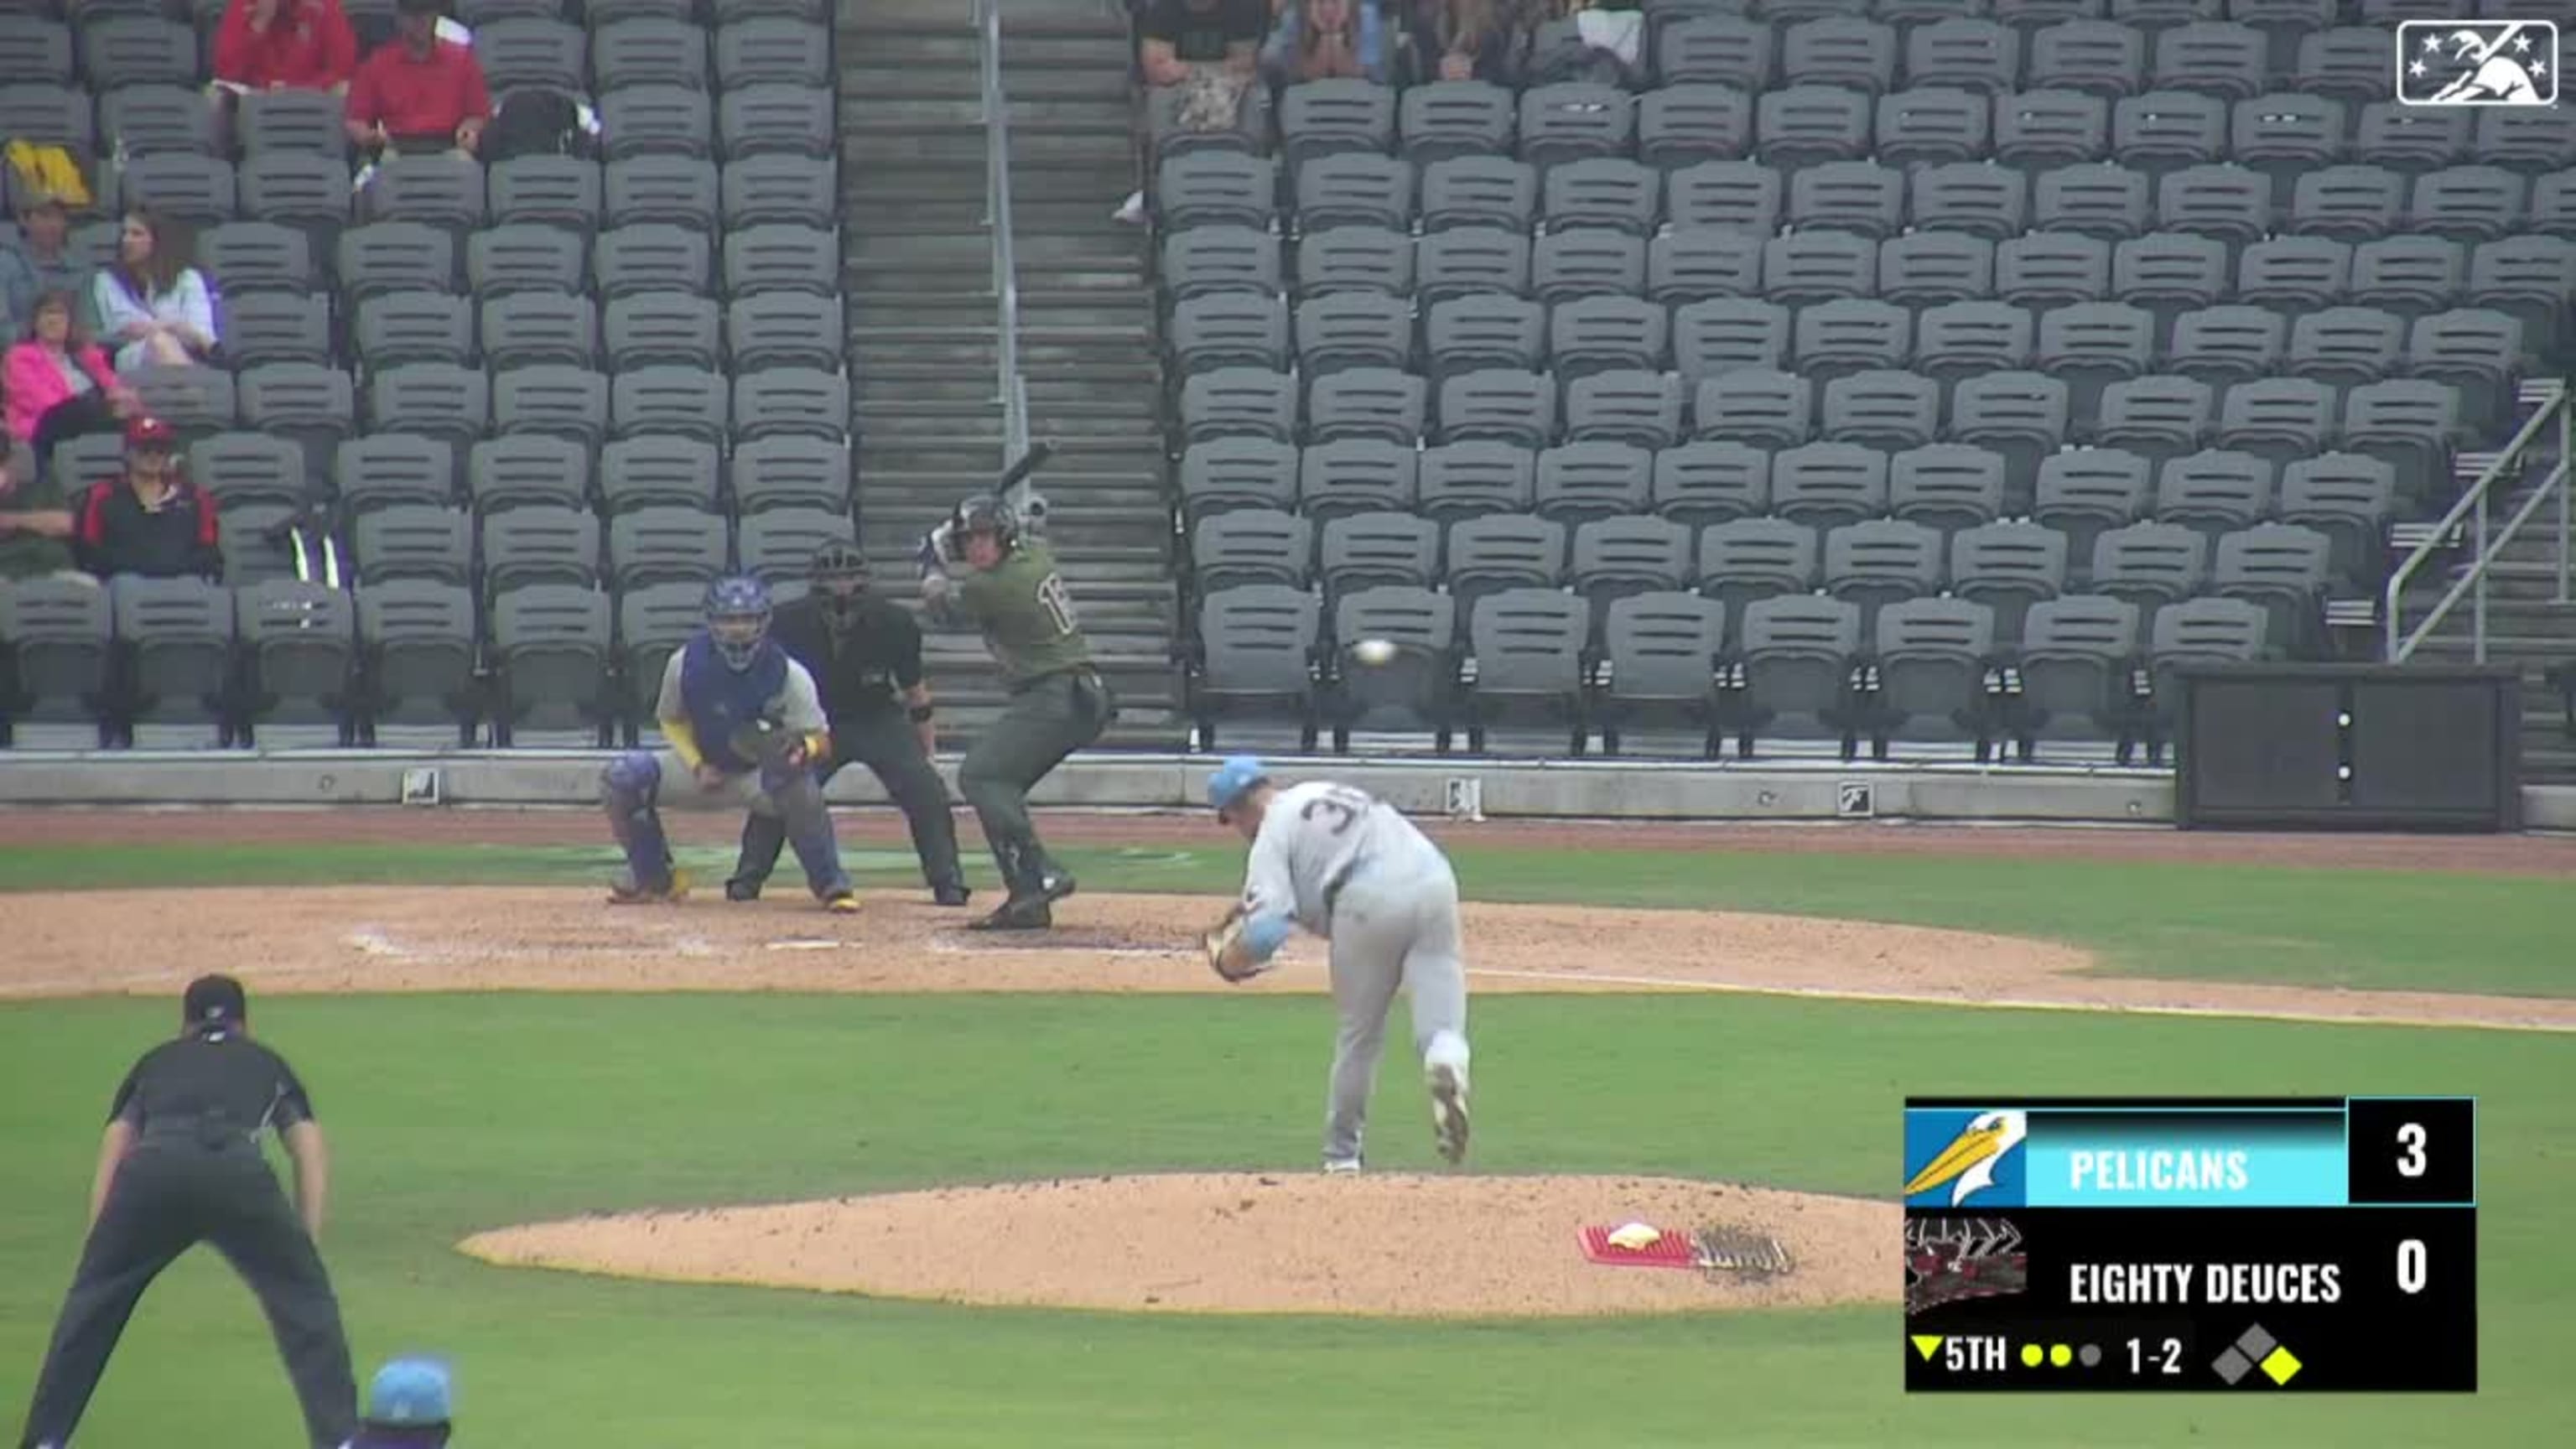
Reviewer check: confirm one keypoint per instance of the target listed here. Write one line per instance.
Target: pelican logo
(2477, 63)
(1951, 1157)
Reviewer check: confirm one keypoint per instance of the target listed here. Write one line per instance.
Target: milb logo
(2477, 63)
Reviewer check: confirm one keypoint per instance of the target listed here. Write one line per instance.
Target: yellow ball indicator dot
(2280, 1364)
(2060, 1355)
(2030, 1355)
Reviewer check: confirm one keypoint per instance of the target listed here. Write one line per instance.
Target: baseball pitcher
(1349, 867)
(744, 726)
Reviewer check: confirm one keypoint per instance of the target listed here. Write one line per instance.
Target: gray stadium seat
(2346, 346)
(2294, 273)
(652, 258)
(174, 653)
(551, 649)
(644, 52)
(1931, 125)
(1828, 484)
(2347, 203)
(1354, 259)
(667, 329)
(2225, 201)
(1958, 340)
(2159, 416)
(2553, 205)
(49, 113)
(1750, 559)
(1615, 557)
(1231, 329)
(527, 470)
(436, 400)
(1836, 339)
(2022, 415)
(1721, 48)
(157, 120)
(662, 190)
(416, 640)
(1477, 476)
(2098, 199)
(59, 637)
(1946, 486)
(2074, 666)
(1638, 407)
(2409, 275)
(2525, 138)
(1793, 672)
(1238, 400)
(1862, 198)
(2412, 424)
(798, 259)
(2041, 129)
(302, 401)
(1366, 402)
(793, 401)
(265, 327)
(2412, 140)
(778, 545)
(440, 189)
(2350, 499)
(1935, 268)
(413, 541)
(1764, 407)
(2277, 418)
(2090, 346)
(2214, 491)
(527, 329)
(1602, 334)
(394, 256)
(243, 258)
(2222, 345)
(688, 402)
(1496, 404)
(1962, 50)
(1257, 647)
(784, 329)
(1496, 551)
(1528, 648)
(2467, 203)
(1222, 474)
(760, 119)
(398, 327)
(2197, 631)
(1848, 52)
(1332, 332)
(383, 470)
(1881, 408)
(534, 257)
(2085, 494)
(1693, 264)
(1809, 267)
(789, 470)
(1740, 196)
(780, 189)
(1322, 117)
(2476, 349)
(2169, 273)
(652, 621)
(2530, 279)
(1802, 125)
(559, 401)
(183, 186)
(1686, 124)
(1490, 190)
(2286, 571)
(540, 544)
(2150, 564)
(1586, 263)
(558, 191)
(35, 49)
(1571, 120)
(1356, 475)
(1207, 259)
(2217, 58)
(1931, 659)
(2052, 269)
(1443, 119)
(1709, 481)
(194, 401)
(1415, 691)
(2165, 130)
(299, 650)
(1375, 550)
(1470, 259)
(1211, 187)
(250, 468)
(1662, 651)
(1600, 191)
(772, 50)
(1352, 188)
(1878, 561)
(530, 51)
(1987, 202)
(2009, 568)
(657, 471)
(1582, 481)
(1251, 546)
(2286, 134)
(2097, 57)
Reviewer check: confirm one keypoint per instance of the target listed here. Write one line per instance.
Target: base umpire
(180, 1164)
(865, 655)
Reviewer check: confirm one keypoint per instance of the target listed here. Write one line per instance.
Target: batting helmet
(985, 513)
(738, 611)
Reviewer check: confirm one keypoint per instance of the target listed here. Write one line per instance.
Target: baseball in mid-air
(1373, 651)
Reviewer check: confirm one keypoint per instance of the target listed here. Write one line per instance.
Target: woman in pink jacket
(58, 382)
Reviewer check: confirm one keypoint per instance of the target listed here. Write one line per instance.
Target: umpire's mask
(841, 580)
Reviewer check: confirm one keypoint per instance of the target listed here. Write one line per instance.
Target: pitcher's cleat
(1054, 885)
(1019, 913)
(1449, 1112)
(625, 892)
(842, 902)
(1336, 1165)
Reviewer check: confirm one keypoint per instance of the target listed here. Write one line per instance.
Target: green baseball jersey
(1026, 614)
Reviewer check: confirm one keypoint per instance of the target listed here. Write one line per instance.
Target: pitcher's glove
(1230, 962)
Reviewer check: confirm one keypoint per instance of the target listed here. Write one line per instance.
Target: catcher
(1349, 867)
(744, 726)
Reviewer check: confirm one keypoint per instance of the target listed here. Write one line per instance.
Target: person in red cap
(152, 521)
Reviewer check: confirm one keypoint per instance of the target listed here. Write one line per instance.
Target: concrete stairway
(917, 275)
(2526, 627)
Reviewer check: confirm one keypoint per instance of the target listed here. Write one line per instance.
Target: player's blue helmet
(738, 611)
(1232, 779)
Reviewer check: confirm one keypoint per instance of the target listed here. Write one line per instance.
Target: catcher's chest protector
(720, 700)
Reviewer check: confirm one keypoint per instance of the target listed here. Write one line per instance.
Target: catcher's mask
(985, 513)
(840, 577)
(738, 619)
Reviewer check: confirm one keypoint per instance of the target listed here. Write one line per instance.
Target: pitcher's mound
(1376, 1244)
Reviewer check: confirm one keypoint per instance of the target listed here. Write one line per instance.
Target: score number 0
(2410, 1251)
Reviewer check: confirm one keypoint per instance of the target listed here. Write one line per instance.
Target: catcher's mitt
(769, 744)
(1217, 944)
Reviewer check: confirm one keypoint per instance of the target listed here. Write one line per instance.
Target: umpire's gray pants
(1395, 925)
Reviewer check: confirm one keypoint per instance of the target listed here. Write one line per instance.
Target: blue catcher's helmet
(738, 612)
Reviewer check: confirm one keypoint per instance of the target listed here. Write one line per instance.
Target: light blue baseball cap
(409, 1391)
(1231, 779)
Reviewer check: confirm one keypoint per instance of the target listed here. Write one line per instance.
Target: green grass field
(451, 1114)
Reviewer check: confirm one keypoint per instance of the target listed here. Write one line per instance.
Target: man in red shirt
(267, 45)
(418, 92)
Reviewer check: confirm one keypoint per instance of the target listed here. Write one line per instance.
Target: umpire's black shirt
(856, 671)
(215, 1090)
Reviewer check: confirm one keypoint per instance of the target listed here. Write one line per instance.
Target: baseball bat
(1029, 462)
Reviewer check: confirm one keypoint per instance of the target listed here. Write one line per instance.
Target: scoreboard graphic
(2237, 1245)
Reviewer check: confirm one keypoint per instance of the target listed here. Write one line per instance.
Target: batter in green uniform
(1012, 592)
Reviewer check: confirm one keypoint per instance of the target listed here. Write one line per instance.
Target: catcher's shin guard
(629, 785)
(809, 831)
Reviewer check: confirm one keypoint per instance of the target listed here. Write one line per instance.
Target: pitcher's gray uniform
(1349, 867)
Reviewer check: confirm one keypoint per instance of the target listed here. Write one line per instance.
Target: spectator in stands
(41, 262)
(35, 526)
(1456, 40)
(1327, 40)
(152, 304)
(1204, 52)
(153, 521)
(58, 383)
(408, 1407)
(419, 92)
(268, 45)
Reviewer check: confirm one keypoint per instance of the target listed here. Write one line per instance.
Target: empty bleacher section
(1877, 373)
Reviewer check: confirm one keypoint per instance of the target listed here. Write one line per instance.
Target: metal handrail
(1010, 389)
(2486, 543)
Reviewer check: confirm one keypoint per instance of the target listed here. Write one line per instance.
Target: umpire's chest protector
(721, 699)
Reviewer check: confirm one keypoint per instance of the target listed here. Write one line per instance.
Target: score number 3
(2410, 1163)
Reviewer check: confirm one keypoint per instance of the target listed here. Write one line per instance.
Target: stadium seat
(552, 649)
(299, 648)
(658, 470)
(1493, 552)
(1414, 691)
(1358, 474)
(57, 641)
(1792, 673)
(1527, 646)
(1372, 550)
(1252, 546)
(1661, 650)
(417, 655)
(1256, 653)
(2074, 664)
(528, 469)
